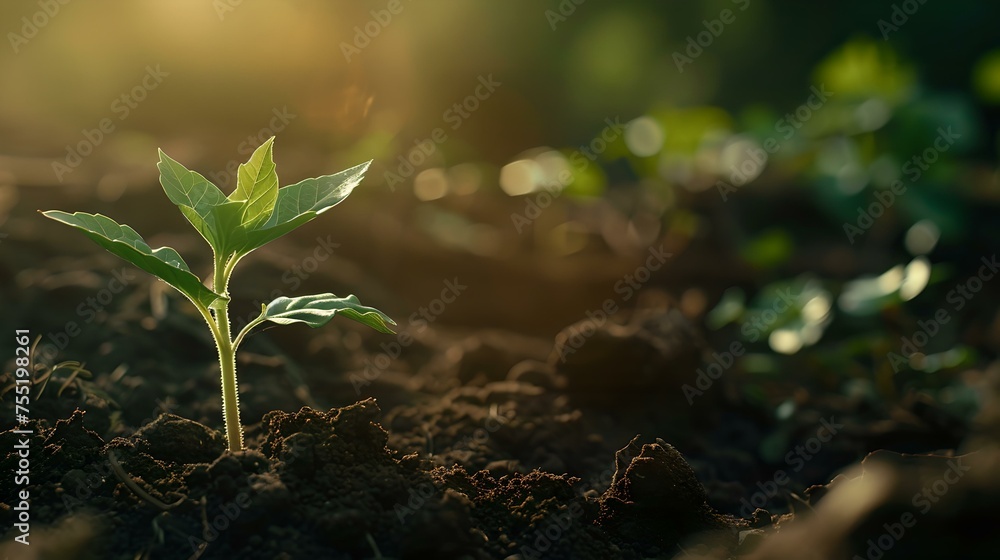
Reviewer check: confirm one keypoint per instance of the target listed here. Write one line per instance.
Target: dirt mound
(327, 481)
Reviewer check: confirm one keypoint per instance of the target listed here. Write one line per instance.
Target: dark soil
(469, 442)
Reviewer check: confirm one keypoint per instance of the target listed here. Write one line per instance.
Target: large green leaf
(317, 310)
(299, 203)
(189, 189)
(164, 263)
(186, 187)
(257, 186)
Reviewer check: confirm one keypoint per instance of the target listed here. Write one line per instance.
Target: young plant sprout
(254, 214)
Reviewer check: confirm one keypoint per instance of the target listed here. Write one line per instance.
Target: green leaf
(299, 203)
(186, 187)
(228, 220)
(257, 186)
(164, 263)
(222, 227)
(317, 310)
(189, 189)
(205, 226)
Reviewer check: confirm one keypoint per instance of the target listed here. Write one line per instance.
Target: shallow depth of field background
(339, 84)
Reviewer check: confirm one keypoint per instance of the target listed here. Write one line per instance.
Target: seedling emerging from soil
(255, 213)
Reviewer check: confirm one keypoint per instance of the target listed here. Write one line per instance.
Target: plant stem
(260, 319)
(230, 391)
(227, 358)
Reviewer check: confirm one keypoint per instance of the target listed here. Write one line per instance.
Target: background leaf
(164, 263)
(318, 309)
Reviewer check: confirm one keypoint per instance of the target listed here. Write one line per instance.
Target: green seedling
(254, 214)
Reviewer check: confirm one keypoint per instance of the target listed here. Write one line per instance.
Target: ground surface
(480, 441)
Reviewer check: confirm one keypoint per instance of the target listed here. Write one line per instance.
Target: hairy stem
(246, 330)
(227, 358)
(230, 391)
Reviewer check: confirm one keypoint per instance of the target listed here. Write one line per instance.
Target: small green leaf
(222, 227)
(228, 218)
(164, 263)
(317, 310)
(299, 203)
(257, 186)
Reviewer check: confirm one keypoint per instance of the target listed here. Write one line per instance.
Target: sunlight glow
(644, 137)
